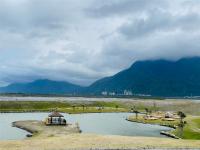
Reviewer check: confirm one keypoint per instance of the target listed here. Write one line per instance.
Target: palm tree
(181, 115)
(155, 106)
(150, 112)
(136, 114)
(182, 123)
(132, 109)
(83, 106)
(147, 111)
(73, 107)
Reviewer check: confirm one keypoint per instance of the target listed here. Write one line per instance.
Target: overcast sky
(83, 40)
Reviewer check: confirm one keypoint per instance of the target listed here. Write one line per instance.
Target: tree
(132, 108)
(136, 114)
(155, 106)
(73, 107)
(83, 106)
(116, 106)
(150, 112)
(147, 111)
(182, 123)
(181, 115)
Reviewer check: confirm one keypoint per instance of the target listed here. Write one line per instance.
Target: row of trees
(182, 123)
(85, 107)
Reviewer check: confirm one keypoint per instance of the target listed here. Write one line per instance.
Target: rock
(169, 134)
(29, 135)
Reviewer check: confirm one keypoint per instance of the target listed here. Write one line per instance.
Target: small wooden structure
(55, 118)
(169, 115)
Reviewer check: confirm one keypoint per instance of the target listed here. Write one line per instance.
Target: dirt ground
(93, 141)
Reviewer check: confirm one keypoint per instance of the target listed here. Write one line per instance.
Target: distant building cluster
(125, 92)
(105, 93)
(111, 93)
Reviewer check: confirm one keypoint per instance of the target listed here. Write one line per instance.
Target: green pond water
(100, 123)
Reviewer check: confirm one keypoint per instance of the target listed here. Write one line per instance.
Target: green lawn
(191, 129)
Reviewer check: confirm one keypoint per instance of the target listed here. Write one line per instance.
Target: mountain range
(42, 86)
(151, 77)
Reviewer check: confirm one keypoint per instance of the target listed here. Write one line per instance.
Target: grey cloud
(124, 7)
(160, 22)
(170, 46)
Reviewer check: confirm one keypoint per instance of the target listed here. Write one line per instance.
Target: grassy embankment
(191, 129)
(119, 105)
(68, 107)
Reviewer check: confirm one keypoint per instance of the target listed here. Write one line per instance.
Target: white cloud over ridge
(82, 41)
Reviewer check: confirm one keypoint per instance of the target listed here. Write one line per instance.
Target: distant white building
(127, 92)
(143, 95)
(104, 93)
(111, 93)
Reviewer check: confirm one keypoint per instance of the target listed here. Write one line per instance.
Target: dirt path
(93, 141)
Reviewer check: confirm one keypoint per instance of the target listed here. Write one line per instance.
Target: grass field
(116, 105)
(68, 107)
(191, 129)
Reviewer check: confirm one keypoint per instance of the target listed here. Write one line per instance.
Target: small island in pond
(54, 125)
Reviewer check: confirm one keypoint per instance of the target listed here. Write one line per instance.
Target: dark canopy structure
(55, 118)
(55, 114)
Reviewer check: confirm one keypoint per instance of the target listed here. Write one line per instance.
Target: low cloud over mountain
(82, 41)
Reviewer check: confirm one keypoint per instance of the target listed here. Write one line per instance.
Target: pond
(100, 123)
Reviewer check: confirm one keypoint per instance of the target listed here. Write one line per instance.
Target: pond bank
(166, 133)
